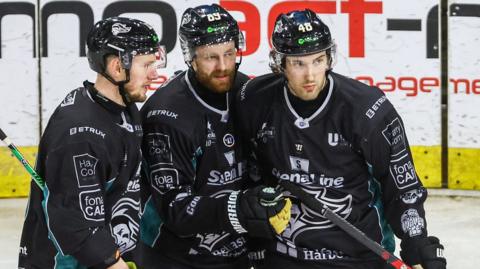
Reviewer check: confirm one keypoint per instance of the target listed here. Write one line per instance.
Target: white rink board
(398, 56)
(18, 79)
(464, 65)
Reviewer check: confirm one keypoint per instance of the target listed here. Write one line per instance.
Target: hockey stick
(36, 177)
(326, 212)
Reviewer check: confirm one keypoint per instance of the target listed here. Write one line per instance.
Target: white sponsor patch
(86, 129)
(134, 183)
(411, 197)
(370, 113)
(69, 99)
(395, 136)
(412, 223)
(299, 164)
(227, 176)
(159, 148)
(164, 179)
(403, 172)
(162, 112)
(92, 205)
(193, 204)
(85, 170)
(336, 139)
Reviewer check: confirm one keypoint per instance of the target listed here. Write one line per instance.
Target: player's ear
(114, 67)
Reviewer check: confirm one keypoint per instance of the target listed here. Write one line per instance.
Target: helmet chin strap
(121, 85)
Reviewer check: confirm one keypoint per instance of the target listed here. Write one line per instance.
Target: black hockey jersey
(194, 162)
(89, 157)
(351, 154)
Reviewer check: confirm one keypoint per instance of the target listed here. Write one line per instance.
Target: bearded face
(214, 66)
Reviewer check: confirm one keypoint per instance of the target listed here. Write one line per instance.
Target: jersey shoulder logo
(69, 99)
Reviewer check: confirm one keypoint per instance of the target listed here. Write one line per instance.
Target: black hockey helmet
(125, 38)
(299, 33)
(207, 25)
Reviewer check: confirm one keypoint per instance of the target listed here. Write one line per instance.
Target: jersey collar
(303, 123)
(223, 113)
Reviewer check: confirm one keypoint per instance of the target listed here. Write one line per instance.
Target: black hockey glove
(426, 251)
(261, 211)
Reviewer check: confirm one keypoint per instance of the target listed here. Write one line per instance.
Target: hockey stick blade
(36, 177)
(318, 206)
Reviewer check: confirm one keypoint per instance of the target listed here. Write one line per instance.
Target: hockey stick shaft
(36, 177)
(353, 231)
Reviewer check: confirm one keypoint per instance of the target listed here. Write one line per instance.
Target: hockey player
(195, 166)
(343, 143)
(89, 156)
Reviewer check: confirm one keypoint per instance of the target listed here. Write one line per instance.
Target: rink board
(391, 44)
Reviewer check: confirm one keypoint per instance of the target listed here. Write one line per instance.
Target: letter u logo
(333, 139)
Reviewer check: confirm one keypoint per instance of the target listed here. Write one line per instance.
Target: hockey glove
(261, 211)
(426, 251)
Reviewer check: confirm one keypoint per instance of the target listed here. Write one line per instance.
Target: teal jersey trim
(46, 195)
(198, 152)
(388, 238)
(61, 261)
(109, 184)
(150, 224)
(67, 262)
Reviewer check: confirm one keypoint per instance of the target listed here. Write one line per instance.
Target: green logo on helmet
(307, 39)
(212, 29)
(155, 38)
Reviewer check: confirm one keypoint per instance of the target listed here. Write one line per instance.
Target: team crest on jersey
(124, 225)
(69, 99)
(305, 219)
